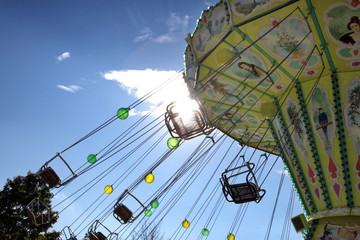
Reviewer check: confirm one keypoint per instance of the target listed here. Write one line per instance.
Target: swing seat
(50, 177)
(123, 214)
(39, 219)
(196, 125)
(68, 231)
(243, 192)
(97, 236)
(247, 191)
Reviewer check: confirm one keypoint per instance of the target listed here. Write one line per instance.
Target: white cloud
(175, 23)
(208, 3)
(71, 88)
(165, 38)
(134, 112)
(140, 82)
(280, 171)
(63, 56)
(144, 34)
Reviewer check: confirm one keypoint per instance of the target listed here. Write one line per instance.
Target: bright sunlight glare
(185, 108)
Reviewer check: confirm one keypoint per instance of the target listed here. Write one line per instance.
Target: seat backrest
(97, 236)
(243, 192)
(38, 219)
(50, 177)
(42, 219)
(31, 215)
(100, 236)
(197, 124)
(123, 212)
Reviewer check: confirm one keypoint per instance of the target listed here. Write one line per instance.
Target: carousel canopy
(283, 77)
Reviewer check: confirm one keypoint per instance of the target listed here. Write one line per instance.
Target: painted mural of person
(354, 36)
(251, 68)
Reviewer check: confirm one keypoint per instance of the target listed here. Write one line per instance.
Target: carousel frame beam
(310, 136)
(296, 162)
(266, 12)
(265, 54)
(337, 105)
(235, 80)
(342, 140)
(324, 44)
(229, 105)
(291, 171)
(233, 47)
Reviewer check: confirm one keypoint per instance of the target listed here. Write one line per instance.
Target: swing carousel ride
(279, 78)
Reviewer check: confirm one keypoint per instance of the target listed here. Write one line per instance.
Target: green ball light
(148, 212)
(123, 113)
(205, 232)
(173, 143)
(92, 158)
(154, 203)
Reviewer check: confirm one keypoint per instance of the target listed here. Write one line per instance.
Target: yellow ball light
(230, 237)
(108, 189)
(186, 223)
(268, 109)
(224, 56)
(149, 178)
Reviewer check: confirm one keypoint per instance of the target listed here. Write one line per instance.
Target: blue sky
(67, 66)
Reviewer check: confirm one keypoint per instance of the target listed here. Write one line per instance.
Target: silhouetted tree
(147, 232)
(14, 220)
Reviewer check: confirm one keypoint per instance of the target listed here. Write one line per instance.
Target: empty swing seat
(94, 234)
(67, 231)
(39, 219)
(50, 177)
(243, 192)
(247, 191)
(189, 127)
(38, 212)
(124, 213)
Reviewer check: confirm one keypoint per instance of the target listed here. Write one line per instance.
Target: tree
(147, 232)
(14, 220)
